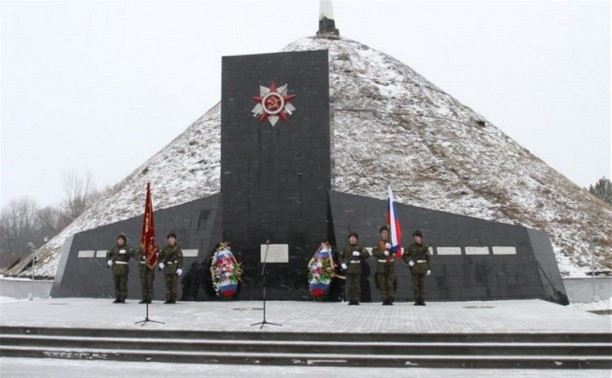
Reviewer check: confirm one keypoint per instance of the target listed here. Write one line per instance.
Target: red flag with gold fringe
(147, 237)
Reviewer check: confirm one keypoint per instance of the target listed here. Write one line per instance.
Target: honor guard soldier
(419, 258)
(385, 267)
(147, 276)
(171, 263)
(117, 259)
(350, 258)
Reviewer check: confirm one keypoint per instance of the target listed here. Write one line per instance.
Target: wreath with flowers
(321, 271)
(226, 272)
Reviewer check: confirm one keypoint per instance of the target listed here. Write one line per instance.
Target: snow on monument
(387, 124)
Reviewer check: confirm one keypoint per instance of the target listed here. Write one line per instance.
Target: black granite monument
(276, 187)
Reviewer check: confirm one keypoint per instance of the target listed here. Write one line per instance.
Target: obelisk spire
(327, 25)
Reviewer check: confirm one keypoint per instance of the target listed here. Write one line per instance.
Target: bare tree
(18, 227)
(79, 193)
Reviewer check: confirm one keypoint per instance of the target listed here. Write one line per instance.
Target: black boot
(385, 302)
(117, 300)
(390, 302)
(168, 301)
(143, 301)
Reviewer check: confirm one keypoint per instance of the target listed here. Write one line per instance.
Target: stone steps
(573, 351)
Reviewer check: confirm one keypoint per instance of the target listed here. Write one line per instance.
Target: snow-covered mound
(389, 124)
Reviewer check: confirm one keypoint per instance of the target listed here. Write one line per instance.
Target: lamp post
(592, 245)
(33, 249)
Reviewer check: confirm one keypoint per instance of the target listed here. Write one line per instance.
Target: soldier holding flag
(388, 245)
(147, 275)
(146, 255)
(385, 267)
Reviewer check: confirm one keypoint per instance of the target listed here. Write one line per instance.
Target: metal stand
(263, 277)
(146, 319)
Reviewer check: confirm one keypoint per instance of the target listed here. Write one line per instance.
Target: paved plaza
(514, 316)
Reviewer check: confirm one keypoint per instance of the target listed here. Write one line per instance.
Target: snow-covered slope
(438, 154)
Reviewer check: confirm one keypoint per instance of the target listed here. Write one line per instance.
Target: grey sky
(101, 86)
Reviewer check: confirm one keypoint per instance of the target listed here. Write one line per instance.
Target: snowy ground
(462, 317)
(453, 317)
(594, 306)
(29, 367)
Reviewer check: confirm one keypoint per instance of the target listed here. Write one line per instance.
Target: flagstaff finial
(327, 25)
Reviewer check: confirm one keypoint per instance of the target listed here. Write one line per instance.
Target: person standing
(147, 276)
(350, 258)
(419, 258)
(117, 259)
(385, 267)
(171, 263)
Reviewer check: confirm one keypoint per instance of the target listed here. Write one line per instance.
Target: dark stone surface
(275, 185)
(193, 223)
(275, 180)
(531, 273)
(327, 28)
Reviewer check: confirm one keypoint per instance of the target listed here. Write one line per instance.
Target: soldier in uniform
(117, 259)
(350, 259)
(419, 258)
(385, 267)
(147, 276)
(171, 263)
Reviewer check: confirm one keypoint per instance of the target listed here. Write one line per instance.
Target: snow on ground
(4, 299)
(438, 154)
(30, 367)
(515, 316)
(605, 304)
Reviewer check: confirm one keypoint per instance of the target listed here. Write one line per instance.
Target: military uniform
(172, 259)
(420, 255)
(352, 285)
(385, 272)
(117, 259)
(147, 276)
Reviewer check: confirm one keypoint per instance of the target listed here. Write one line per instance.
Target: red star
(273, 105)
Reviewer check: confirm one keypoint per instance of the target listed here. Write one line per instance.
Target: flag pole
(147, 241)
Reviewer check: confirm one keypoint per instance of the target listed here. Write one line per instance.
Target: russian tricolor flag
(394, 226)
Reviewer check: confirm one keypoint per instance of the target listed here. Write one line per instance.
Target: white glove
(411, 263)
(109, 263)
(428, 272)
(388, 246)
(386, 253)
(179, 271)
(355, 253)
(161, 266)
(344, 266)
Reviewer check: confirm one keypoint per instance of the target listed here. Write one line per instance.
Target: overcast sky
(101, 86)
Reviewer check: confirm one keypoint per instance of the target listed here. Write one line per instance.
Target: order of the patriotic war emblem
(273, 104)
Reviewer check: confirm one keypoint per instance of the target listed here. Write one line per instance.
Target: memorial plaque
(86, 254)
(277, 253)
(476, 251)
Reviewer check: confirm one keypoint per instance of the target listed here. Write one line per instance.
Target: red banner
(147, 237)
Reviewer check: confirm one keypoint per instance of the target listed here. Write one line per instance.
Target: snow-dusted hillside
(438, 154)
